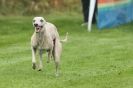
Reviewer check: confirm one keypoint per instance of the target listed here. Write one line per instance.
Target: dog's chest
(45, 42)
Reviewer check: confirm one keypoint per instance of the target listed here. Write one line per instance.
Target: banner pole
(91, 13)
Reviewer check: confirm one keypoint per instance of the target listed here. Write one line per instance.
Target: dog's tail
(66, 37)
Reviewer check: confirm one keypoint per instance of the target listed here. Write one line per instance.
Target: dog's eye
(41, 20)
(33, 20)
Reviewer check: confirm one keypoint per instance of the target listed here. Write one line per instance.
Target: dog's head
(38, 23)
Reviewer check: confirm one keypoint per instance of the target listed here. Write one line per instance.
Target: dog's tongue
(37, 29)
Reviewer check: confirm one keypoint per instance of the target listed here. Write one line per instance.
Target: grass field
(100, 59)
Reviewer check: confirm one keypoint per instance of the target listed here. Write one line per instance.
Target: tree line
(33, 7)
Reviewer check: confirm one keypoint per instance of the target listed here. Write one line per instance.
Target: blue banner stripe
(115, 16)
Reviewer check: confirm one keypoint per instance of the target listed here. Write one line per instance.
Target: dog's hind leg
(33, 57)
(57, 54)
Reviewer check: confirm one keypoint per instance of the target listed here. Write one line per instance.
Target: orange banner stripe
(109, 1)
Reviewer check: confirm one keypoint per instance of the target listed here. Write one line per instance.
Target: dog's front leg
(40, 63)
(33, 57)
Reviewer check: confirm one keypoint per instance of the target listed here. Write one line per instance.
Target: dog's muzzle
(38, 28)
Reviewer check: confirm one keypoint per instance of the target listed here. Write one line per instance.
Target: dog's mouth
(38, 28)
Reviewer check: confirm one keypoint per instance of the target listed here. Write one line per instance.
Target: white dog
(46, 38)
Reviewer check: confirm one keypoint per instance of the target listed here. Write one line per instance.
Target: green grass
(100, 59)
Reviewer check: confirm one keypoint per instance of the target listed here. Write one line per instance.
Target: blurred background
(37, 7)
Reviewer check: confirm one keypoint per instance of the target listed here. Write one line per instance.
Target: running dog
(46, 37)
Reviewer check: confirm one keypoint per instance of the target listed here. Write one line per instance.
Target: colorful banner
(114, 12)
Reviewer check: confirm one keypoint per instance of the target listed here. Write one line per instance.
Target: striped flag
(114, 12)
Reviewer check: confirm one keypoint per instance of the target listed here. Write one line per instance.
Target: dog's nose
(35, 25)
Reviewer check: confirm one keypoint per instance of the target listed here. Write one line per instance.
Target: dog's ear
(44, 21)
(33, 21)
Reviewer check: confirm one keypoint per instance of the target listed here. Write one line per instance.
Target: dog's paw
(39, 69)
(34, 66)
